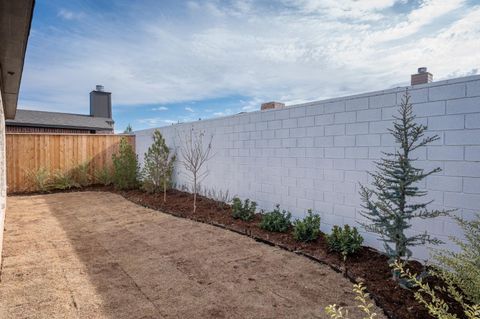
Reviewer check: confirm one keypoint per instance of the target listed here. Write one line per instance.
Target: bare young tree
(195, 150)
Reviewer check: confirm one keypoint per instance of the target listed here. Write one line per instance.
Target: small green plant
(40, 179)
(276, 220)
(223, 198)
(126, 169)
(432, 297)
(364, 305)
(344, 240)
(463, 267)
(245, 211)
(104, 176)
(308, 228)
(63, 181)
(81, 175)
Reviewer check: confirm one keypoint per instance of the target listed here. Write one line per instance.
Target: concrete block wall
(314, 155)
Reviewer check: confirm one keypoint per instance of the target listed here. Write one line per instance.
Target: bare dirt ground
(97, 255)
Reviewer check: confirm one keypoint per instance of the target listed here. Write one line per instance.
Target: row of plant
(345, 241)
(43, 180)
(390, 205)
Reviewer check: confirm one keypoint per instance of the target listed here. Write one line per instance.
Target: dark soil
(368, 265)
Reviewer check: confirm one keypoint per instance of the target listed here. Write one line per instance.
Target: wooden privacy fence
(30, 152)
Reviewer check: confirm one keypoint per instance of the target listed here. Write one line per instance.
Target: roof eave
(9, 123)
(15, 22)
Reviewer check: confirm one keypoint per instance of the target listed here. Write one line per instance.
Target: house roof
(15, 21)
(60, 120)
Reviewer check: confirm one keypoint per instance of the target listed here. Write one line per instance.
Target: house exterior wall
(3, 176)
(315, 155)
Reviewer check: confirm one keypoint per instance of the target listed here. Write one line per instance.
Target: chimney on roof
(272, 106)
(421, 77)
(100, 103)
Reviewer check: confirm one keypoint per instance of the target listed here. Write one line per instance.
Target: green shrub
(433, 298)
(344, 240)
(81, 175)
(276, 220)
(459, 273)
(308, 228)
(244, 211)
(63, 181)
(103, 176)
(40, 179)
(463, 267)
(126, 169)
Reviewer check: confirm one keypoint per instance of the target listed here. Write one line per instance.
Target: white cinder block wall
(314, 155)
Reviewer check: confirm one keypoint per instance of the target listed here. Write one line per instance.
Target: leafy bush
(158, 166)
(362, 297)
(81, 175)
(463, 268)
(244, 211)
(103, 176)
(63, 181)
(433, 298)
(126, 169)
(307, 229)
(40, 179)
(459, 272)
(276, 220)
(344, 240)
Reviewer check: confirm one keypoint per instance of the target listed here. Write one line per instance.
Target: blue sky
(169, 61)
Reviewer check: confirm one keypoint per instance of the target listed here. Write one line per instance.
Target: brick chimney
(272, 105)
(421, 77)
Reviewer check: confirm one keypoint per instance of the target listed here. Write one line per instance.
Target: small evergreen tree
(388, 204)
(128, 129)
(125, 164)
(158, 166)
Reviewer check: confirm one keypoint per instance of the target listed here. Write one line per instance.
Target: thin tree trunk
(194, 193)
(164, 190)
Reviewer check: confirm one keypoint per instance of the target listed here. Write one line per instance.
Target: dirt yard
(97, 255)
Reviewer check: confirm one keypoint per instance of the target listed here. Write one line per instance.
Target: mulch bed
(368, 265)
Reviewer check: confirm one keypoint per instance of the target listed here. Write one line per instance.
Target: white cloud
(226, 112)
(302, 51)
(160, 108)
(352, 9)
(69, 15)
(156, 121)
(426, 13)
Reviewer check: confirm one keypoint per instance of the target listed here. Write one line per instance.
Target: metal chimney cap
(423, 69)
(99, 87)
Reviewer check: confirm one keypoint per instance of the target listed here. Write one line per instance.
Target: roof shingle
(60, 120)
